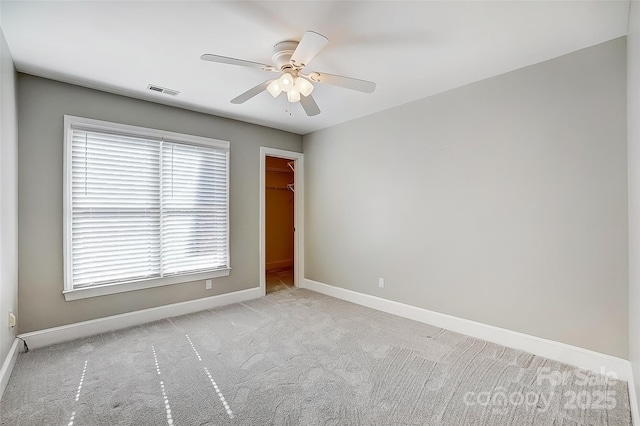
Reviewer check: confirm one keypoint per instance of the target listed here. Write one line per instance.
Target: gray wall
(42, 105)
(633, 123)
(8, 197)
(503, 202)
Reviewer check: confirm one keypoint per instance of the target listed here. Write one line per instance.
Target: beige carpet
(296, 357)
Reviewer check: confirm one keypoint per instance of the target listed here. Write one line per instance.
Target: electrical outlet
(207, 285)
(12, 320)
(381, 282)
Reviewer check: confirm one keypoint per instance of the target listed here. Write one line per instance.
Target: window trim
(100, 290)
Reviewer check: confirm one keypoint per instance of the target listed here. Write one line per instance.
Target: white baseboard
(50, 336)
(279, 264)
(7, 366)
(568, 354)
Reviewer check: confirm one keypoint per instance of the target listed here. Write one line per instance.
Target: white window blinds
(115, 208)
(194, 208)
(142, 207)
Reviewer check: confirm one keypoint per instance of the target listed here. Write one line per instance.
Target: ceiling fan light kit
(304, 86)
(274, 88)
(290, 58)
(293, 86)
(293, 95)
(286, 81)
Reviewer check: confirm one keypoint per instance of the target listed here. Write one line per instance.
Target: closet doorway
(281, 214)
(279, 207)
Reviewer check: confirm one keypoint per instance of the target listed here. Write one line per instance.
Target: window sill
(103, 290)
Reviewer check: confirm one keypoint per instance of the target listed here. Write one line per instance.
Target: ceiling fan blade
(310, 45)
(309, 105)
(235, 61)
(346, 82)
(250, 93)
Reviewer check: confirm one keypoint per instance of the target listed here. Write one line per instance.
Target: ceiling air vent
(163, 90)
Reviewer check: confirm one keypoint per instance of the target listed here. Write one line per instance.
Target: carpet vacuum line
(164, 393)
(73, 414)
(213, 382)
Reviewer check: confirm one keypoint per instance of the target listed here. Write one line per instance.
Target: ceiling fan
(290, 59)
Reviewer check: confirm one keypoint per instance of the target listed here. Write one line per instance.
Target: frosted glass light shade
(304, 86)
(293, 95)
(286, 82)
(274, 88)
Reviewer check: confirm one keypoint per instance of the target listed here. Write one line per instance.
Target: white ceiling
(410, 49)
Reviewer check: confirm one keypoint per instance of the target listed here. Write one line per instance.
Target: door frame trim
(298, 214)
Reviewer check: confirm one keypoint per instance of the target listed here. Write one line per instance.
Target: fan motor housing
(282, 53)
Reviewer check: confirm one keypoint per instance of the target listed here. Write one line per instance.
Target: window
(143, 208)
